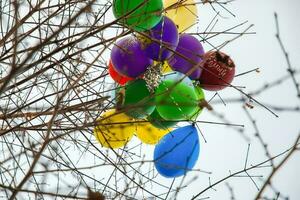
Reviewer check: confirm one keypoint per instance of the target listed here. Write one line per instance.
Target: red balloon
(122, 80)
(218, 71)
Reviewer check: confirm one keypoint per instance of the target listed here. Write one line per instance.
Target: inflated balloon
(163, 36)
(114, 130)
(218, 72)
(128, 58)
(189, 55)
(177, 152)
(156, 120)
(175, 100)
(140, 15)
(166, 67)
(137, 101)
(183, 13)
(201, 100)
(148, 133)
(116, 76)
(178, 77)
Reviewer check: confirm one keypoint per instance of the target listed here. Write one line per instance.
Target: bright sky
(225, 150)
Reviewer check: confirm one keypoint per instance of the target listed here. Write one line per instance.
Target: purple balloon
(164, 34)
(128, 58)
(189, 52)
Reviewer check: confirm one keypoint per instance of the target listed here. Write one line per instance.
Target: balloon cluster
(161, 72)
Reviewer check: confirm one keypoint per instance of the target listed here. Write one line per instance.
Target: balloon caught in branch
(139, 15)
(161, 40)
(148, 133)
(137, 101)
(113, 130)
(187, 57)
(183, 12)
(162, 72)
(177, 152)
(218, 71)
(159, 122)
(116, 76)
(201, 102)
(175, 100)
(128, 58)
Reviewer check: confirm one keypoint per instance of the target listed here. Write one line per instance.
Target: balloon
(200, 97)
(159, 122)
(182, 12)
(177, 77)
(166, 67)
(149, 134)
(163, 35)
(128, 58)
(116, 76)
(189, 52)
(175, 100)
(143, 15)
(177, 152)
(218, 71)
(137, 100)
(114, 130)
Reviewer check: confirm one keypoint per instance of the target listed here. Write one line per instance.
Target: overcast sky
(225, 150)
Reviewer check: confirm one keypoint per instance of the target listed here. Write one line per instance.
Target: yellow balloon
(165, 68)
(114, 130)
(148, 133)
(183, 13)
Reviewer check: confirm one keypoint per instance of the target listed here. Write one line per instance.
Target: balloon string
(161, 39)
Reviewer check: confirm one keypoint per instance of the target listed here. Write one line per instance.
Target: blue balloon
(177, 152)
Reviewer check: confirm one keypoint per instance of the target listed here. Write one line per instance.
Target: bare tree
(54, 85)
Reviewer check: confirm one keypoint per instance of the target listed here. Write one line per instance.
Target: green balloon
(200, 93)
(156, 120)
(176, 100)
(144, 16)
(137, 100)
(200, 97)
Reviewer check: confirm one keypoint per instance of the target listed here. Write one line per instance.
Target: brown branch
(277, 167)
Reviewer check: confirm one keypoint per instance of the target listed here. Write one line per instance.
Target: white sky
(225, 150)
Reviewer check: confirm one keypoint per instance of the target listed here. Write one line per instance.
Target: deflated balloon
(114, 130)
(218, 71)
(177, 152)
